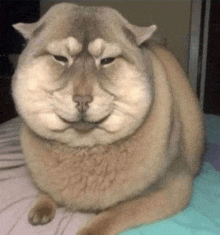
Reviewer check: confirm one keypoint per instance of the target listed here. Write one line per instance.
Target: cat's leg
(156, 206)
(43, 210)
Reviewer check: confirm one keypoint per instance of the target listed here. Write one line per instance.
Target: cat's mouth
(83, 125)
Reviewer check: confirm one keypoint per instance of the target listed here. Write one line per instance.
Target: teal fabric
(202, 216)
(213, 129)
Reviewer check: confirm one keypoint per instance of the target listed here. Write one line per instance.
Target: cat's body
(109, 125)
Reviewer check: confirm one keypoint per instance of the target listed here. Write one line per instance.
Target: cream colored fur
(137, 162)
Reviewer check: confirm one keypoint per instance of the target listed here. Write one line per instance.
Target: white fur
(67, 47)
(96, 47)
(101, 49)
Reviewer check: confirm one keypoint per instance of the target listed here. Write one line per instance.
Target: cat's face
(82, 79)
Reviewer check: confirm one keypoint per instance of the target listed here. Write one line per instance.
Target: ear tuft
(26, 30)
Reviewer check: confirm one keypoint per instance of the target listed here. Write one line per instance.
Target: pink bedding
(17, 192)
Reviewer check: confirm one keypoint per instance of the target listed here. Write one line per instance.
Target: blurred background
(189, 28)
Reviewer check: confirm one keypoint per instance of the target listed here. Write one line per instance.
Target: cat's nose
(82, 102)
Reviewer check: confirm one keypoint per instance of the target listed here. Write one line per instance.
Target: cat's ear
(142, 34)
(26, 30)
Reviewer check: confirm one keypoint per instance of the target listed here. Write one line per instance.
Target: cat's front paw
(43, 211)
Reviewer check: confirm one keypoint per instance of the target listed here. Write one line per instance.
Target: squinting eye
(107, 60)
(60, 58)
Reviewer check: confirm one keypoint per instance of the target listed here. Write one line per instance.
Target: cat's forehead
(83, 23)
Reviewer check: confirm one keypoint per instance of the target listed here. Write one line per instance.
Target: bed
(17, 193)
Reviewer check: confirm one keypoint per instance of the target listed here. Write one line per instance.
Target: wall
(171, 17)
